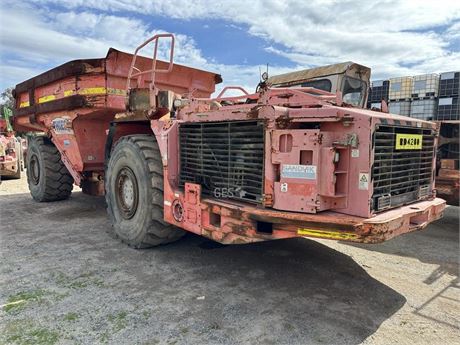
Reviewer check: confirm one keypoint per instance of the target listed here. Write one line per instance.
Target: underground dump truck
(279, 163)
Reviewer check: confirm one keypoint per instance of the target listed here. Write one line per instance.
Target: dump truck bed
(98, 85)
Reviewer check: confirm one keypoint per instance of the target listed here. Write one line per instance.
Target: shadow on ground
(192, 291)
(438, 245)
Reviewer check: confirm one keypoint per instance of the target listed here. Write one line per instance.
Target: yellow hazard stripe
(85, 91)
(333, 235)
(45, 99)
(96, 91)
(92, 91)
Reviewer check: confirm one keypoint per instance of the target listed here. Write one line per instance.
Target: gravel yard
(64, 279)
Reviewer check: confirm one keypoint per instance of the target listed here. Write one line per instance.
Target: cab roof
(307, 74)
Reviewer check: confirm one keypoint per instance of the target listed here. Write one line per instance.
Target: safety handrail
(153, 70)
(225, 89)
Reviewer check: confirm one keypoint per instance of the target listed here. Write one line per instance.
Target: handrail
(231, 88)
(153, 70)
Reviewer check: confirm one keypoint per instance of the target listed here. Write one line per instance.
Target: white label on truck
(307, 172)
(355, 153)
(62, 125)
(363, 181)
(284, 187)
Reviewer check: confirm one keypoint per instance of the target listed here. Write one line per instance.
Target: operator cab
(350, 78)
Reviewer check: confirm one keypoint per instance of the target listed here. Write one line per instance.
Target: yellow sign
(408, 141)
(333, 235)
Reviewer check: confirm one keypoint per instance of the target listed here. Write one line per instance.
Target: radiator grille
(225, 158)
(401, 176)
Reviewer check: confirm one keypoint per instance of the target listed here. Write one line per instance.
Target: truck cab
(348, 78)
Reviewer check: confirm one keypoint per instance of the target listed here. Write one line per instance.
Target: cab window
(353, 91)
(321, 84)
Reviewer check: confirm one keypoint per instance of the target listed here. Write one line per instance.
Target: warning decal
(363, 181)
(298, 171)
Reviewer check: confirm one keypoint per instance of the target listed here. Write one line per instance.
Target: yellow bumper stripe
(334, 235)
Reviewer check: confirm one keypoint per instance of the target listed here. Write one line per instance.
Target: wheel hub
(34, 169)
(127, 192)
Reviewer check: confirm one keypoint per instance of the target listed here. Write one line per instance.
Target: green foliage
(6, 98)
(26, 333)
(20, 300)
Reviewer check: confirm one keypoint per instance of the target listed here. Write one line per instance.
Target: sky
(235, 38)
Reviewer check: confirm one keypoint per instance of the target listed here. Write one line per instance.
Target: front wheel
(134, 193)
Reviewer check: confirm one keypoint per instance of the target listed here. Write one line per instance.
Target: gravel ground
(64, 279)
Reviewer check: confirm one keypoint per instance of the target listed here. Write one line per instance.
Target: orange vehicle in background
(11, 155)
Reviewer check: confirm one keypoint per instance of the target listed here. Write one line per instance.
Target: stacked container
(423, 109)
(400, 89)
(449, 106)
(400, 108)
(448, 109)
(449, 84)
(425, 86)
(378, 92)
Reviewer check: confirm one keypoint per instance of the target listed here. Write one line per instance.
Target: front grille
(225, 158)
(401, 176)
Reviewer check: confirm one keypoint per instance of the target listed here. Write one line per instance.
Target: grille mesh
(401, 176)
(225, 158)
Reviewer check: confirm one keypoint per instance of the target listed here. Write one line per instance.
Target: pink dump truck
(283, 162)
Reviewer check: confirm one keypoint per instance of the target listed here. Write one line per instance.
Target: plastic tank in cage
(449, 84)
(425, 85)
(424, 109)
(378, 91)
(448, 109)
(400, 108)
(400, 88)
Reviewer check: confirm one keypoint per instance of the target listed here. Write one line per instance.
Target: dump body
(76, 102)
(284, 162)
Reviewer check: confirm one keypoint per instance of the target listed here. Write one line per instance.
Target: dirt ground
(64, 279)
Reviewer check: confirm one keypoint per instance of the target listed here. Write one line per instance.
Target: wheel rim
(34, 169)
(127, 192)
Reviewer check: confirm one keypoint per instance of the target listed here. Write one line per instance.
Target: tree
(6, 106)
(6, 98)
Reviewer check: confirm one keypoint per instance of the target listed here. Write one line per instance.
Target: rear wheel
(47, 176)
(134, 193)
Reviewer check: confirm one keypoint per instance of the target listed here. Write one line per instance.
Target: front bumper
(244, 222)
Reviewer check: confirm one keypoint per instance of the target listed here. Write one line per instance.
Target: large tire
(134, 193)
(47, 176)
